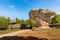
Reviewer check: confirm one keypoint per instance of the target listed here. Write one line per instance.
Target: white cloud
(12, 6)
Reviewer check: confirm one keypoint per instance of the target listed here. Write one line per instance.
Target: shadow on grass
(21, 38)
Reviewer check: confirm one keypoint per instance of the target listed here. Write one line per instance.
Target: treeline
(5, 22)
(25, 23)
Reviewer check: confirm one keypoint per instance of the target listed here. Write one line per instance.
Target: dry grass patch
(53, 34)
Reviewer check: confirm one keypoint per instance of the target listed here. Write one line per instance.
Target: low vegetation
(8, 31)
(4, 22)
(55, 19)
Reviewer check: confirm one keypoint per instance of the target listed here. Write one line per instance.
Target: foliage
(30, 22)
(3, 28)
(17, 21)
(22, 21)
(23, 26)
(55, 19)
(4, 22)
(8, 31)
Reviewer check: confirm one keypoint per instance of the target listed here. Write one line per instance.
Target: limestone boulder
(41, 17)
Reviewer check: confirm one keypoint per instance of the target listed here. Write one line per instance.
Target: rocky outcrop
(41, 17)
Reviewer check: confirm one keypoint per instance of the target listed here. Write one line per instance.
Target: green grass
(8, 31)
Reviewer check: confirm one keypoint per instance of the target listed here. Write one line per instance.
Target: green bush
(55, 19)
(3, 28)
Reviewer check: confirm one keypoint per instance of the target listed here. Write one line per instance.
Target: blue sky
(21, 8)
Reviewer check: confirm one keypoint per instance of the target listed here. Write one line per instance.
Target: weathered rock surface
(41, 17)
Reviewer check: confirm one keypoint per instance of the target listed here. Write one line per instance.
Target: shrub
(3, 28)
(23, 26)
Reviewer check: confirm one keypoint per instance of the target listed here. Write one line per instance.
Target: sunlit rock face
(41, 17)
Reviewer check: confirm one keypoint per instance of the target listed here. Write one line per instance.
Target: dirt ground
(51, 34)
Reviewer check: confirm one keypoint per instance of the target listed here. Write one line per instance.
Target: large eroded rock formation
(41, 17)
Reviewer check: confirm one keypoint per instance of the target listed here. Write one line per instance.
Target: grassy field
(8, 31)
(51, 34)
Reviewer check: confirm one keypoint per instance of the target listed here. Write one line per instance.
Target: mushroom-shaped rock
(41, 17)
